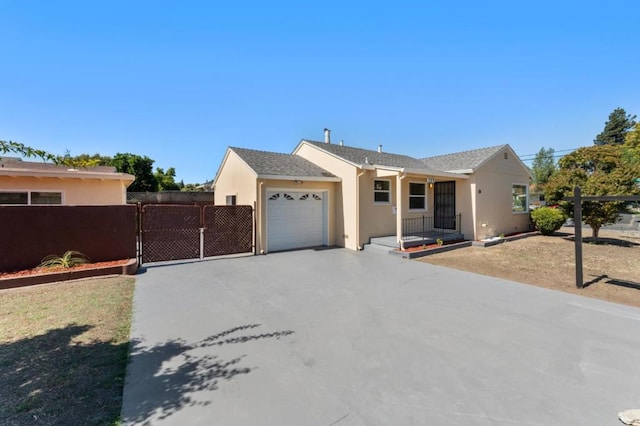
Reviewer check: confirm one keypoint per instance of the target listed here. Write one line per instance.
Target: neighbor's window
(381, 191)
(14, 198)
(33, 197)
(417, 196)
(46, 198)
(231, 200)
(519, 203)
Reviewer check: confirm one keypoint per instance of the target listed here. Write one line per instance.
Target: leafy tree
(598, 170)
(192, 187)
(543, 167)
(616, 128)
(632, 139)
(25, 151)
(139, 166)
(166, 180)
(94, 160)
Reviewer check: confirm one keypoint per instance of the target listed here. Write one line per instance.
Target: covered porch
(424, 208)
(418, 231)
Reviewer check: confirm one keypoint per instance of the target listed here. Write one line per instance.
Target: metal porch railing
(428, 226)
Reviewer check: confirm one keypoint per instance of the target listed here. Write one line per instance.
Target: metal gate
(173, 232)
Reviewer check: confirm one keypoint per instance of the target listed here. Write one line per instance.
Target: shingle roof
(361, 156)
(273, 163)
(467, 160)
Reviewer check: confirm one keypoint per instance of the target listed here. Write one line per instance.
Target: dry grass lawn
(63, 352)
(611, 265)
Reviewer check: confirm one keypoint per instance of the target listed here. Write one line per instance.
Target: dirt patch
(41, 270)
(611, 265)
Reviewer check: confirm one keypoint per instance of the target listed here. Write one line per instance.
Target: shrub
(547, 219)
(69, 259)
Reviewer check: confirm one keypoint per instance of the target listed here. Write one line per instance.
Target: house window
(417, 196)
(30, 197)
(381, 191)
(231, 200)
(519, 200)
(46, 198)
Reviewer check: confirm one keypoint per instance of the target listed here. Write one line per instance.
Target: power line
(561, 150)
(533, 159)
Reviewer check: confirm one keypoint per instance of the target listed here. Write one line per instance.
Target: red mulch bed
(36, 271)
(430, 246)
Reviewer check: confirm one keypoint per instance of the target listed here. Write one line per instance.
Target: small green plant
(548, 220)
(69, 259)
(439, 242)
(501, 235)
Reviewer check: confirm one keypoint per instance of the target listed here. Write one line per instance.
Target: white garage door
(295, 220)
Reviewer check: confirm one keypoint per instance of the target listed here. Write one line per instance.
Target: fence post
(139, 226)
(577, 220)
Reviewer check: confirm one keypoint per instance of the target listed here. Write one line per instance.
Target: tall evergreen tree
(616, 128)
(543, 167)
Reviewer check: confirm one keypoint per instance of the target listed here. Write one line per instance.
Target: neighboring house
(207, 186)
(330, 194)
(37, 183)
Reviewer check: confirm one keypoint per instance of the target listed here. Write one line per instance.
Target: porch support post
(399, 209)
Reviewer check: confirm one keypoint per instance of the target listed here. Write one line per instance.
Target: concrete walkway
(336, 337)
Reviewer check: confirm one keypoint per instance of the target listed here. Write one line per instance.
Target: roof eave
(67, 174)
(224, 160)
(303, 178)
(462, 171)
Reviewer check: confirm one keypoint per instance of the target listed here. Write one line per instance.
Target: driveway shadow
(162, 378)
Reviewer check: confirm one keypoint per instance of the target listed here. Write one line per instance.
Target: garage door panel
(294, 220)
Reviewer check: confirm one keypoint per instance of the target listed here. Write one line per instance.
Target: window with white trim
(381, 191)
(231, 200)
(30, 197)
(519, 198)
(417, 196)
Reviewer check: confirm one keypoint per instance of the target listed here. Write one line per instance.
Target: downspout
(399, 209)
(259, 209)
(358, 208)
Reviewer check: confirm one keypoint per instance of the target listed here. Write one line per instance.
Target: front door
(444, 215)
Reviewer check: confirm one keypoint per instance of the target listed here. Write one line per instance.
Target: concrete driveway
(336, 337)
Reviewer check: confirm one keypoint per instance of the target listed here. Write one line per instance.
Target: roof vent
(379, 148)
(327, 136)
(341, 142)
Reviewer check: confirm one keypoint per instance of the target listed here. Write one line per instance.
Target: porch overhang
(387, 171)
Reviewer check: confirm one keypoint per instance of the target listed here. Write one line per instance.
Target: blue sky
(181, 81)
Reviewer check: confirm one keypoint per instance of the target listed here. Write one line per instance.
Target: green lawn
(63, 352)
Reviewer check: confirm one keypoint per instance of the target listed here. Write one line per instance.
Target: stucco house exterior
(335, 195)
(38, 183)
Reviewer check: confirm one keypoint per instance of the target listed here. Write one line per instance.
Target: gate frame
(140, 239)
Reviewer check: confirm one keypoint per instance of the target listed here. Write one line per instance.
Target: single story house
(38, 183)
(331, 194)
